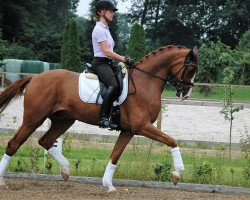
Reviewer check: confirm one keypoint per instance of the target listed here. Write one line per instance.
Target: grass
(138, 163)
(240, 94)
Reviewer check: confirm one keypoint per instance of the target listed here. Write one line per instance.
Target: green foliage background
(70, 56)
(136, 45)
(34, 30)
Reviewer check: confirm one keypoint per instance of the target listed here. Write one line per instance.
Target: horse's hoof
(65, 176)
(111, 189)
(65, 173)
(175, 177)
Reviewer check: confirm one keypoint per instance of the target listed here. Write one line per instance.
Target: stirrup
(105, 123)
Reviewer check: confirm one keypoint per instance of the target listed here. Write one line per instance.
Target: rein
(171, 79)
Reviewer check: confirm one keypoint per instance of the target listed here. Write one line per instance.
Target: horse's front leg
(120, 145)
(153, 133)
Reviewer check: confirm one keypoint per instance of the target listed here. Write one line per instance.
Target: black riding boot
(106, 109)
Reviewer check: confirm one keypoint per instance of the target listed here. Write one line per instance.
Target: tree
(65, 46)
(3, 48)
(70, 57)
(64, 11)
(85, 41)
(228, 109)
(49, 46)
(244, 51)
(14, 50)
(162, 20)
(136, 45)
(123, 34)
(235, 16)
(36, 26)
(191, 22)
(213, 58)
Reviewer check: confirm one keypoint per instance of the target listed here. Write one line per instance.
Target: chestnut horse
(54, 95)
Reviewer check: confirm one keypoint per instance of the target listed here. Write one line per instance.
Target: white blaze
(189, 91)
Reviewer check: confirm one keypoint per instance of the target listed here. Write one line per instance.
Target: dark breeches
(102, 67)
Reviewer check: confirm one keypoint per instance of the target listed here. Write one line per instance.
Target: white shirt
(101, 33)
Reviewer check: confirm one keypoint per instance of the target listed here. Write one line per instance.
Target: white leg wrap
(64, 163)
(3, 165)
(108, 176)
(178, 163)
(58, 156)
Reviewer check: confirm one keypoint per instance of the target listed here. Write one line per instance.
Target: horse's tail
(14, 90)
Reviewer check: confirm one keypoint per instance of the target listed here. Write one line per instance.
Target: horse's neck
(156, 65)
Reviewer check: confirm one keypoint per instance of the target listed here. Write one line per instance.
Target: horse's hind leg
(26, 129)
(57, 128)
(118, 149)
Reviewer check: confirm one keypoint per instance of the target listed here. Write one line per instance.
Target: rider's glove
(129, 62)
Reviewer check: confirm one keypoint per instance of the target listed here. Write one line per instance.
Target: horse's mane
(160, 50)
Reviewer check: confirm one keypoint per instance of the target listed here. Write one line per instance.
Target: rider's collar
(103, 25)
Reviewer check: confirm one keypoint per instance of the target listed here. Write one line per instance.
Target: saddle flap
(89, 90)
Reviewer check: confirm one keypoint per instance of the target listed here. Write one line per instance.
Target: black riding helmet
(105, 5)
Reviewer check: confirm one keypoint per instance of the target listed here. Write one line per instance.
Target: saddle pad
(89, 89)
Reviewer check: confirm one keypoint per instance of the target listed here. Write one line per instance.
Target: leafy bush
(34, 159)
(49, 164)
(245, 148)
(15, 51)
(3, 49)
(163, 170)
(20, 165)
(19, 52)
(213, 58)
(203, 172)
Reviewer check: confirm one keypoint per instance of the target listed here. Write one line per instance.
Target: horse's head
(182, 74)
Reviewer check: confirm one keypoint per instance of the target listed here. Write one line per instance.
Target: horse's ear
(195, 52)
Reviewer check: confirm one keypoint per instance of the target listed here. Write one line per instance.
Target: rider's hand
(129, 62)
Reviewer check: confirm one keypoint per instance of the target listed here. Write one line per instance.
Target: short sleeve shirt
(101, 33)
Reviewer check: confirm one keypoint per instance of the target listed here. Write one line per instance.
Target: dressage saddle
(120, 71)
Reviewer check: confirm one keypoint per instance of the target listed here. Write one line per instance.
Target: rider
(102, 64)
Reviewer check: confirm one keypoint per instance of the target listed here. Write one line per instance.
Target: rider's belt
(103, 60)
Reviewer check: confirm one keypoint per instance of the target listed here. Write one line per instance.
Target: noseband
(171, 79)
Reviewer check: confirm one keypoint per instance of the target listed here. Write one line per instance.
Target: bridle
(171, 79)
(179, 84)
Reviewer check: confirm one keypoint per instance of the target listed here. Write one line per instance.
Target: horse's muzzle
(183, 95)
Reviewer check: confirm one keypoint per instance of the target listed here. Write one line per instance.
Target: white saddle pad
(89, 89)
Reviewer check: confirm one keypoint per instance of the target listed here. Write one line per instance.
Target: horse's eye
(191, 70)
